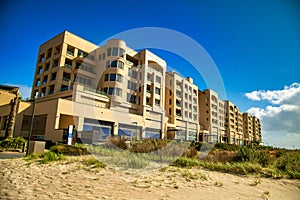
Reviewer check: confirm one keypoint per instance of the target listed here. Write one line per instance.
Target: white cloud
(281, 118)
(275, 96)
(24, 89)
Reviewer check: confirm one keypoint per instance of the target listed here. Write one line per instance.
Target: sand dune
(71, 180)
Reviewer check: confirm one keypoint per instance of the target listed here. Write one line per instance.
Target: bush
(50, 157)
(119, 142)
(69, 150)
(14, 143)
(93, 163)
(227, 147)
(190, 153)
(148, 145)
(254, 156)
(186, 162)
(289, 163)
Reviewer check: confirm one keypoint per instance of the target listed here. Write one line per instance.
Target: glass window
(157, 102)
(120, 64)
(121, 52)
(106, 77)
(118, 92)
(100, 57)
(158, 79)
(157, 90)
(111, 91)
(109, 52)
(113, 64)
(108, 63)
(53, 76)
(103, 56)
(119, 78)
(112, 77)
(115, 51)
(105, 90)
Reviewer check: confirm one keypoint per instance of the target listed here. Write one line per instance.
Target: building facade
(211, 117)
(114, 90)
(181, 103)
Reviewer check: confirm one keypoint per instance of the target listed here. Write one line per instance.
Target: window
(170, 111)
(100, 57)
(158, 79)
(148, 88)
(55, 63)
(113, 91)
(157, 90)
(103, 56)
(49, 53)
(47, 66)
(170, 101)
(131, 98)
(39, 71)
(106, 77)
(114, 64)
(43, 92)
(42, 58)
(51, 89)
(112, 77)
(45, 79)
(131, 85)
(149, 77)
(121, 52)
(157, 102)
(132, 73)
(148, 101)
(109, 52)
(36, 93)
(53, 76)
(178, 112)
(70, 50)
(38, 82)
(115, 51)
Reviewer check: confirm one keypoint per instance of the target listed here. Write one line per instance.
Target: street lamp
(31, 125)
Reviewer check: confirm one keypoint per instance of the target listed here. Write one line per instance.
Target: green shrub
(246, 154)
(186, 162)
(50, 157)
(289, 163)
(69, 150)
(14, 143)
(227, 147)
(93, 163)
(119, 142)
(190, 153)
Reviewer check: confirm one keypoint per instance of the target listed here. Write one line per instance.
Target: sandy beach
(70, 179)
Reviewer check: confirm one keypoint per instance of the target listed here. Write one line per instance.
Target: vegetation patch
(13, 143)
(93, 163)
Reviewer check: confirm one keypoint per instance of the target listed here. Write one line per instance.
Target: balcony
(68, 66)
(71, 53)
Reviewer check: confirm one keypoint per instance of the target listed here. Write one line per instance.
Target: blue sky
(255, 44)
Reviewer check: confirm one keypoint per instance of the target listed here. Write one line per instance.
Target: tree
(9, 132)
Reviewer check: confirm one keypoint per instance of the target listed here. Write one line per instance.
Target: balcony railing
(68, 66)
(66, 79)
(70, 53)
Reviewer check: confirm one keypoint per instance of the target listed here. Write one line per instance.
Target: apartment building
(115, 90)
(81, 81)
(181, 107)
(211, 117)
(234, 123)
(256, 129)
(247, 128)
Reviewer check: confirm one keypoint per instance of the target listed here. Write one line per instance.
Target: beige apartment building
(234, 123)
(115, 90)
(256, 129)
(211, 117)
(181, 103)
(107, 90)
(247, 128)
